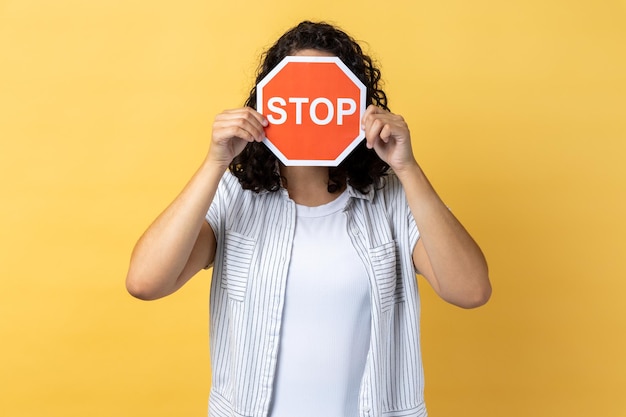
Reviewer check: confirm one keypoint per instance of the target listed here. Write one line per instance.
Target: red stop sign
(314, 107)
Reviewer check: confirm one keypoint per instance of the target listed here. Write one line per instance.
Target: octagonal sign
(314, 107)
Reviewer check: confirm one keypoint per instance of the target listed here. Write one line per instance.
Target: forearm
(169, 246)
(451, 260)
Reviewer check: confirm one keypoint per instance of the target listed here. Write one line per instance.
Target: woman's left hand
(388, 134)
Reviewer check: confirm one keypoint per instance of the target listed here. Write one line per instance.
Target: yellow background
(518, 115)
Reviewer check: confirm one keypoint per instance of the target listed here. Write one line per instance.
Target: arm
(179, 243)
(446, 255)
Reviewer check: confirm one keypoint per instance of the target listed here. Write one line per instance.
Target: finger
(244, 120)
(373, 130)
(386, 133)
(234, 132)
(262, 119)
(239, 127)
(369, 114)
(372, 143)
(247, 113)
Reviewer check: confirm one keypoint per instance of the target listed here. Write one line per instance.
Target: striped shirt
(255, 233)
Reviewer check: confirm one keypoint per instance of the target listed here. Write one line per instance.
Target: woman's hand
(446, 255)
(232, 130)
(388, 134)
(180, 242)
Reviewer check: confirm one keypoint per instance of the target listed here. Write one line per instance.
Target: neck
(307, 186)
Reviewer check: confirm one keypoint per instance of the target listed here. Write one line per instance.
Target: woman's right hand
(180, 242)
(232, 131)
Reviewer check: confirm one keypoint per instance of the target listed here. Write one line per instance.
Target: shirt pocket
(384, 264)
(238, 252)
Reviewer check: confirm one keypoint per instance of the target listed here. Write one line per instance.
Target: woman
(314, 301)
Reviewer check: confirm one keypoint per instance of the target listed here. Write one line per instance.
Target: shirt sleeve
(215, 217)
(224, 196)
(403, 218)
(214, 214)
(414, 233)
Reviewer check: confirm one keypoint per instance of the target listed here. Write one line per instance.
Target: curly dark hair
(255, 166)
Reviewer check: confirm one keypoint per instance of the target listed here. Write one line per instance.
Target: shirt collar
(369, 196)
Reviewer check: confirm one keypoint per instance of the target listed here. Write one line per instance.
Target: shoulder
(230, 182)
(229, 188)
(392, 182)
(390, 190)
(230, 193)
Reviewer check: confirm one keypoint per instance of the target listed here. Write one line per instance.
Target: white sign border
(362, 107)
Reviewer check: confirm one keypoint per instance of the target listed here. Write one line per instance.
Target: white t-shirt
(325, 332)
